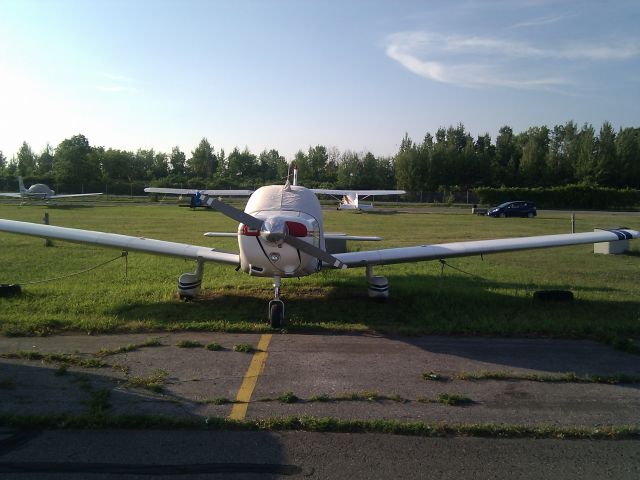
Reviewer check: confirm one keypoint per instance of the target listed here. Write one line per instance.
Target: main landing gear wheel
(276, 313)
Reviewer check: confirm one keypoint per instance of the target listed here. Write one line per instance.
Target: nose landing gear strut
(276, 306)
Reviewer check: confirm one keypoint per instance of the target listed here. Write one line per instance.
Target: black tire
(10, 290)
(530, 215)
(502, 215)
(276, 315)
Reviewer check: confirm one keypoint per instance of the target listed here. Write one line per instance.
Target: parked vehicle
(514, 209)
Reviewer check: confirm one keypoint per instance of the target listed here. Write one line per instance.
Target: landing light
(297, 229)
(274, 257)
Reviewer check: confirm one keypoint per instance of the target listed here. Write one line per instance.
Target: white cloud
(621, 51)
(475, 61)
(536, 22)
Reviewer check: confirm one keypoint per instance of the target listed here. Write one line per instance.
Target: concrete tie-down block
(611, 248)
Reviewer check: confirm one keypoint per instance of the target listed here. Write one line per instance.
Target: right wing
(13, 195)
(191, 191)
(69, 195)
(479, 247)
(122, 242)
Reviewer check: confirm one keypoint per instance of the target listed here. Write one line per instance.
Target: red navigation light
(297, 229)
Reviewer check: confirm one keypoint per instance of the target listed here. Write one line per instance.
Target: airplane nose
(273, 231)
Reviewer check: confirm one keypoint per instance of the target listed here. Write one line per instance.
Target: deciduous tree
(177, 161)
(26, 160)
(73, 162)
(203, 162)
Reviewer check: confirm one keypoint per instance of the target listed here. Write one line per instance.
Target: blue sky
(355, 75)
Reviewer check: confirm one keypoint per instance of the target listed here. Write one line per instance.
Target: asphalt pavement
(559, 384)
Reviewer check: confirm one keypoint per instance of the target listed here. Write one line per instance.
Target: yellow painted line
(256, 367)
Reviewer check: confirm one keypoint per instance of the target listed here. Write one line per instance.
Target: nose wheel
(276, 313)
(276, 306)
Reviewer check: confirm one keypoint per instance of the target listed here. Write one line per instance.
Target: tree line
(538, 157)
(450, 159)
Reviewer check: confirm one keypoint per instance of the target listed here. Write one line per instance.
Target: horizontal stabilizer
(360, 193)
(220, 234)
(355, 238)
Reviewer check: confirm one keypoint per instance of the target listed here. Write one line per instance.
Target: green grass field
(493, 297)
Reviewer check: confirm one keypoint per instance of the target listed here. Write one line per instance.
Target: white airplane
(40, 191)
(281, 235)
(350, 199)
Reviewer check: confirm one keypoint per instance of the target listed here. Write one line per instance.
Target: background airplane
(350, 199)
(281, 235)
(197, 195)
(40, 191)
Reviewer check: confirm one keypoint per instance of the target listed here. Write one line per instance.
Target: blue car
(514, 209)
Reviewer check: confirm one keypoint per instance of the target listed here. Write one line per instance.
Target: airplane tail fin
(21, 185)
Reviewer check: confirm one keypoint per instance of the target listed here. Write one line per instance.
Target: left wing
(479, 247)
(123, 242)
(14, 195)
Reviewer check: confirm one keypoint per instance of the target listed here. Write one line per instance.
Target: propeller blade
(314, 251)
(256, 224)
(235, 214)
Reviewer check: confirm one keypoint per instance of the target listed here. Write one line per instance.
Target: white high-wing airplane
(281, 235)
(40, 191)
(350, 199)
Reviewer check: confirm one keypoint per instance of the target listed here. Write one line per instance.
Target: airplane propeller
(276, 232)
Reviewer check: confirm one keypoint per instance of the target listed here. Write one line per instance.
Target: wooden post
(573, 223)
(47, 242)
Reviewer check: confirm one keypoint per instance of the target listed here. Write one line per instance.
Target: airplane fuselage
(39, 190)
(355, 206)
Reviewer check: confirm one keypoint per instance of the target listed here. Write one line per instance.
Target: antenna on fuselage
(288, 183)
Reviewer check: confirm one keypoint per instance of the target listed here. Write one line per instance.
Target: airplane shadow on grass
(418, 305)
(458, 317)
